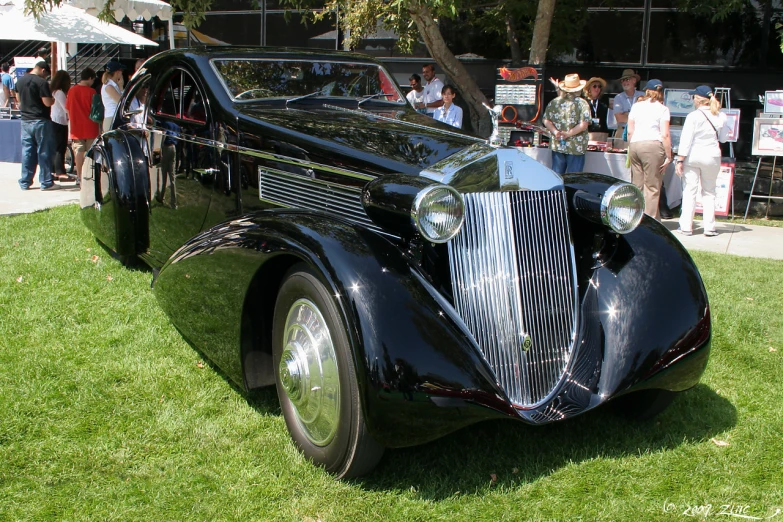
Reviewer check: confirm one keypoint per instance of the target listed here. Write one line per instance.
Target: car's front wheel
(316, 379)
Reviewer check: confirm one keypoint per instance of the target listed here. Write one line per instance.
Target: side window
(181, 98)
(193, 101)
(137, 101)
(169, 97)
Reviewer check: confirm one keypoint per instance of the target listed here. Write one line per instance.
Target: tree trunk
(538, 47)
(513, 41)
(433, 39)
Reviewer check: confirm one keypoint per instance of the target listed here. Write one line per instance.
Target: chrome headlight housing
(438, 213)
(622, 207)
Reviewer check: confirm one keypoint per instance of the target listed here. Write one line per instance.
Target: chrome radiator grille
(513, 278)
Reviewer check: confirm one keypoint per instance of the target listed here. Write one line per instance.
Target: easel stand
(769, 196)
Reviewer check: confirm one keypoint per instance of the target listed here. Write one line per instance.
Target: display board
(723, 187)
(678, 101)
(768, 137)
(732, 121)
(520, 92)
(773, 102)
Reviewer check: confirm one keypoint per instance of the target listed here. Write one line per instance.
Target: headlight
(622, 207)
(438, 212)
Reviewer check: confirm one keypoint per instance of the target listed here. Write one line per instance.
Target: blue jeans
(37, 148)
(562, 163)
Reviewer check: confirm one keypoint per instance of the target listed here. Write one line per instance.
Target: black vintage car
(395, 278)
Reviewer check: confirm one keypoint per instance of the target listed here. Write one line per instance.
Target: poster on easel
(767, 137)
(723, 187)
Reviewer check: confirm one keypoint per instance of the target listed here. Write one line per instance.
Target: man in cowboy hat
(623, 101)
(598, 109)
(567, 118)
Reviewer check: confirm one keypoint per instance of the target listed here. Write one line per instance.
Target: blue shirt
(453, 117)
(8, 81)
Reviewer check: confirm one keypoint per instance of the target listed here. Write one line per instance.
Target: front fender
(647, 295)
(419, 373)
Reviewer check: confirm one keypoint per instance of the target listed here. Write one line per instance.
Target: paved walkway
(14, 200)
(734, 238)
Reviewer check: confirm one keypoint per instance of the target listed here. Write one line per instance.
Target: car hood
(376, 142)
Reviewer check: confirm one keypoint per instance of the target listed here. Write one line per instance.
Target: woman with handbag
(698, 158)
(111, 92)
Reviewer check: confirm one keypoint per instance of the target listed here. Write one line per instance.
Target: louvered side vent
(294, 191)
(513, 278)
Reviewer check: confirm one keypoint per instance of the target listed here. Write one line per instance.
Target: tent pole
(53, 57)
(171, 33)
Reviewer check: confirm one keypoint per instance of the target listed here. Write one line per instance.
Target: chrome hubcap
(308, 372)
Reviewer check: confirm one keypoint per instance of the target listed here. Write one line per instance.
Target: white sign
(722, 191)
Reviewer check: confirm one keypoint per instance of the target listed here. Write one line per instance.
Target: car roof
(303, 53)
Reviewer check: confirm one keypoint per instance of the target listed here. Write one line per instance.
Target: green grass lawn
(107, 414)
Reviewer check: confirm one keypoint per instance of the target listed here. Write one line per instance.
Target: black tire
(338, 440)
(642, 405)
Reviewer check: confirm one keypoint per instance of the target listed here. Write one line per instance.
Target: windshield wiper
(291, 100)
(372, 96)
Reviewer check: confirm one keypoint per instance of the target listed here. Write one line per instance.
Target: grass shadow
(135, 265)
(518, 453)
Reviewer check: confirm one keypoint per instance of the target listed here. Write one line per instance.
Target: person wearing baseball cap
(698, 158)
(650, 148)
(111, 92)
(35, 101)
(567, 118)
(625, 100)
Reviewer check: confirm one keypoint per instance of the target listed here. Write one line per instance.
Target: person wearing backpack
(83, 130)
(111, 92)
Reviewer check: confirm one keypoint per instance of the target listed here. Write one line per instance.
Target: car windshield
(249, 79)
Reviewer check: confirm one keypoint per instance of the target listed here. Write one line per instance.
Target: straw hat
(593, 80)
(629, 73)
(572, 83)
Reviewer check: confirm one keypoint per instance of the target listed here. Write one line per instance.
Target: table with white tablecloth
(613, 164)
(11, 141)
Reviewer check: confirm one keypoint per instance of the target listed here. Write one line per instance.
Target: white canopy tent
(62, 24)
(133, 9)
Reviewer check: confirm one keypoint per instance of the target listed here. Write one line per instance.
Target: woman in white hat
(567, 118)
(650, 147)
(698, 158)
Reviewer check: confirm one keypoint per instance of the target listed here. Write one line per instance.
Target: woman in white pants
(698, 158)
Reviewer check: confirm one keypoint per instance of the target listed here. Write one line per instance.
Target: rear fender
(114, 196)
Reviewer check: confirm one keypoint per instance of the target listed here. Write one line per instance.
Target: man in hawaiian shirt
(567, 118)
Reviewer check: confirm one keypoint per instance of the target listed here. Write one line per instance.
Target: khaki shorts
(80, 145)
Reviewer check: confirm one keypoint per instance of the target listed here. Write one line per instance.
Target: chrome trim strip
(294, 191)
(268, 156)
(305, 164)
(513, 276)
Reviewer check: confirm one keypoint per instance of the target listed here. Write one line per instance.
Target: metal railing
(93, 56)
(28, 48)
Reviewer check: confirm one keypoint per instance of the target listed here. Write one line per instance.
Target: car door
(183, 160)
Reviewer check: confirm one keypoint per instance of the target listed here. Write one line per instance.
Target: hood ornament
(494, 113)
